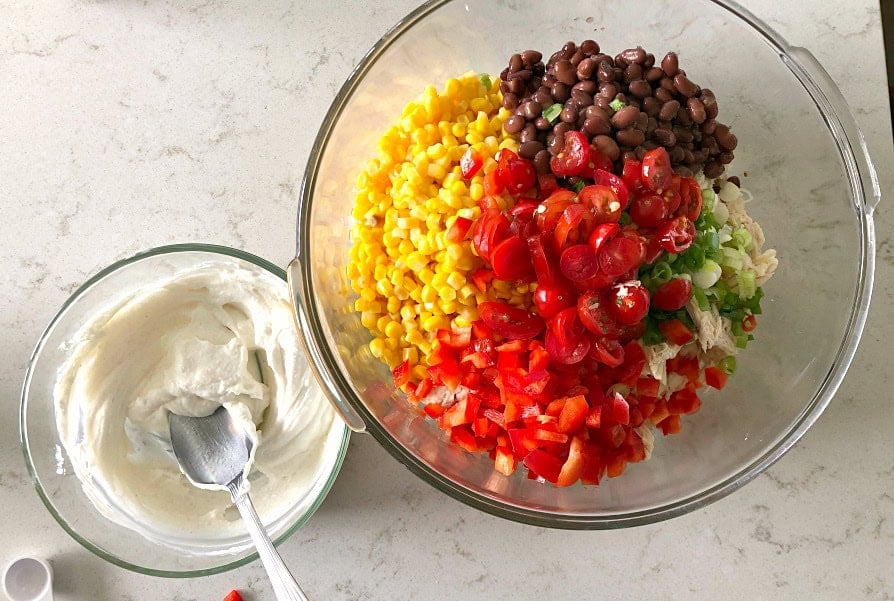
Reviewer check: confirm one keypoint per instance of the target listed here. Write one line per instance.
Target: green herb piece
(552, 112)
(617, 104)
(484, 78)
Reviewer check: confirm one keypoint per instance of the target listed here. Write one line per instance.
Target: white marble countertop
(127, 125)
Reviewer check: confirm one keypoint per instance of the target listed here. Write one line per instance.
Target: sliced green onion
(552, 112)
(728, 364)
(708, 199)
(694, 257)
(662, 273)
(652, 334)
(742, 239)
(741, 341)
(736, 327)
(707, 276)
(732, 259)
(747, 284)
(701, 298)
(484, 78)
(617, 104)
(579, 186)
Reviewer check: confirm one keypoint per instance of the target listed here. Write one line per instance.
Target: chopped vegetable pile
(548, 319)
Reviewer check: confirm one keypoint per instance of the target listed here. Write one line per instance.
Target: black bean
(590, 47)
(605, 72)
(642, 120)
(726, 157)
(684, 119)
(524, 75)
(529, 149)
(595, 112)
(651, 106)
(510, 101)
(654, 74)
(528, 133)
(560, 130)
(734, 180)
(669, 110)
(602, 102)
(713, 169)
(504, 87)
(585, 68)
(597, 124)
(628, 155)
(683, 135)
(514, 124)
(532, 109)
(708, 126)
(685, 86)
(515, 63)
(543, 96)
(688, 156)
(725, 138)
(619, 73)
(625, 117)
(639, 152)
(676, 154)
(569, 114)
(696, 110)
(541, 162)
(663, 95)
(670, 64)
(634, 55)
(632, 73)
(607, 146)
(565, 72)
(516, 86)
(531, 57)
(568, 49)
(630, 137)
(560, 92)
(548, 80)
(542, 123)
(651, 124)
(710, 102)
(576, 58)
(608, 90)
(709, 143)
(620, 61)
(650, 60)
(588, 86)
(668, 84)
(685, 171)
(640, 88)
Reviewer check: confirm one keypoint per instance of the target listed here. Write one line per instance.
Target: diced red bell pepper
(675, 331)
(504, 461)
(401, 374)
(574, 414)
(447, 373)
(470, 163)
(459, 229)
(574, 464)
(620, 410)
(594, 466)
(715, 377)
(544, 465)
(233, 596)
(671, 424)
(647, 386)
(594, 418)
(683, 401)
(434, 410)
(463, 437)
(615, 466)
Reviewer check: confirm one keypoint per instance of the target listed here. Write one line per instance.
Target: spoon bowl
(214, 452)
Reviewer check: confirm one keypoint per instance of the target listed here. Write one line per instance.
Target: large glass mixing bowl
(814, 189)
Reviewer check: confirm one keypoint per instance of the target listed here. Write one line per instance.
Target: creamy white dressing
(216, 334)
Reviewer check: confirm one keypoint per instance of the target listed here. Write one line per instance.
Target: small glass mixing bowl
(51, 470)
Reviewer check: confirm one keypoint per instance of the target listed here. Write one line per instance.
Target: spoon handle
(284, 586)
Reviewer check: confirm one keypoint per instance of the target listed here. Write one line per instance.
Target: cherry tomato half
(657, 172)
(648, 210)
(602, 201)
(550, 210)
(606, 178)
(594, 316)
(672, 295)
(543, 266)
(574, 156)
(676, 235)
(602, 234)
(578, 263)
(574, 226)
(511, 261)
(619, 255)
(565, 340)
(550, 299)
(608, 351)
(519, 176)
(488, 231)
(690, 198)
(628, 302)
(510, 322)
(631, 174)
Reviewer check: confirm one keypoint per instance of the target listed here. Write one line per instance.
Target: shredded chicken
(711, 329)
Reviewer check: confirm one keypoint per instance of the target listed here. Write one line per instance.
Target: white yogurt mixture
(217, 334)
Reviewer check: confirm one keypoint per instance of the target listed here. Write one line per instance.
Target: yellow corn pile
(410, 280)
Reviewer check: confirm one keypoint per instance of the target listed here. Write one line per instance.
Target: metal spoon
(213, 451)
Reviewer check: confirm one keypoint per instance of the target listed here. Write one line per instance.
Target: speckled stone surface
(128, 124)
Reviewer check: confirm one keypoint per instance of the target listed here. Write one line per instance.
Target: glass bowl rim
(212, 249)
(336, 385)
